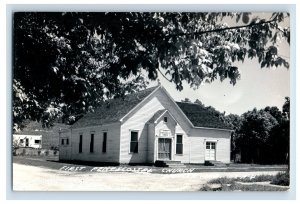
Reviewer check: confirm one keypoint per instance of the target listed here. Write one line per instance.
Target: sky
(258, 87)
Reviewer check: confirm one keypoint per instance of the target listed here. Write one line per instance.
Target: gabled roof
(201, 116)
(156, 115)
(159, 114)
(113, 110)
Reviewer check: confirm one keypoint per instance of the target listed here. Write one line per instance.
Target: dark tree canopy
(262, 136)
(67, 63)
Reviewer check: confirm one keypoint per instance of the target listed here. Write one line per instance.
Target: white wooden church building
(145, 127)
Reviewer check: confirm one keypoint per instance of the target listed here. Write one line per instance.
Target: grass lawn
(278, 182)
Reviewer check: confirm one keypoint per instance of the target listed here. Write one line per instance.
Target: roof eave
(208, 128)
(178, 107)
(122, 119)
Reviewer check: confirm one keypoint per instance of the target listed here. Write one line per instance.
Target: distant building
(34, 141)
(49, 136)
(146, 127)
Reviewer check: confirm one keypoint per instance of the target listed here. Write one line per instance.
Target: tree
(67, 63)
(186, 100)
(234, 122)
(197, 101)
(275, 112)
(286, 107)
(254, 133)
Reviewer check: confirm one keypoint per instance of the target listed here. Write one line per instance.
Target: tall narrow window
(67, 141)
(134, 145)
(104, 141)
(80, 143)
(179, 145)
(92, 143)
(62, 141)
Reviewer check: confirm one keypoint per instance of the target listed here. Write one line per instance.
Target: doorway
(164, 148)
(210, 151)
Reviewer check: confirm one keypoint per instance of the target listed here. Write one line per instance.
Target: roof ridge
(153, 87)
(186, 102)
(114, 109)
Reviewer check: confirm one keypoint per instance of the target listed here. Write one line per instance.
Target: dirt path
(30, 178)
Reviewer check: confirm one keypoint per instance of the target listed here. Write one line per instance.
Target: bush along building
(147, 127)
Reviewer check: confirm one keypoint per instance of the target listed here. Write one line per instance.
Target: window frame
(104, 142)
(176, 143)
(80, 143)
(92, 142)
(131, 142)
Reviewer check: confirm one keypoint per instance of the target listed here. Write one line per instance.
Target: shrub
(241, 187)
(222, 180)
(259, 178)
(282, 179)
(208, 163)
(47, 152)
(208, 188)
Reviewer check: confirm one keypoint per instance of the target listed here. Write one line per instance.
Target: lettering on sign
(72, 168)
(174, 171)
(165, 133)
(126, 169)
(120, 169)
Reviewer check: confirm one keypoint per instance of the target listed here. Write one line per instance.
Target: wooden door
(210, 151)
(164, 148)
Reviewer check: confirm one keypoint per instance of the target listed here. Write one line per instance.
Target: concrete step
(171, 164)
(176, 166)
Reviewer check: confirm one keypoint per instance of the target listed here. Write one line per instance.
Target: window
(207, 145)
(21, 140)
(134, 145)
(37, 141)
(67, 141)
(179, 145)
(62, 141)
(92, 143)
(80, 143)
(165, 119)
(210, 145)
(104, 141)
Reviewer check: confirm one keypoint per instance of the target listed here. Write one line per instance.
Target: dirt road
(32, 178)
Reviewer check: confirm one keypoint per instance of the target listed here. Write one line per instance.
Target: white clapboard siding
(137, 122)
(174, 129)
(119, 134)
(151, 143)
(65, 149)
(198, 140)
(112, 148)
